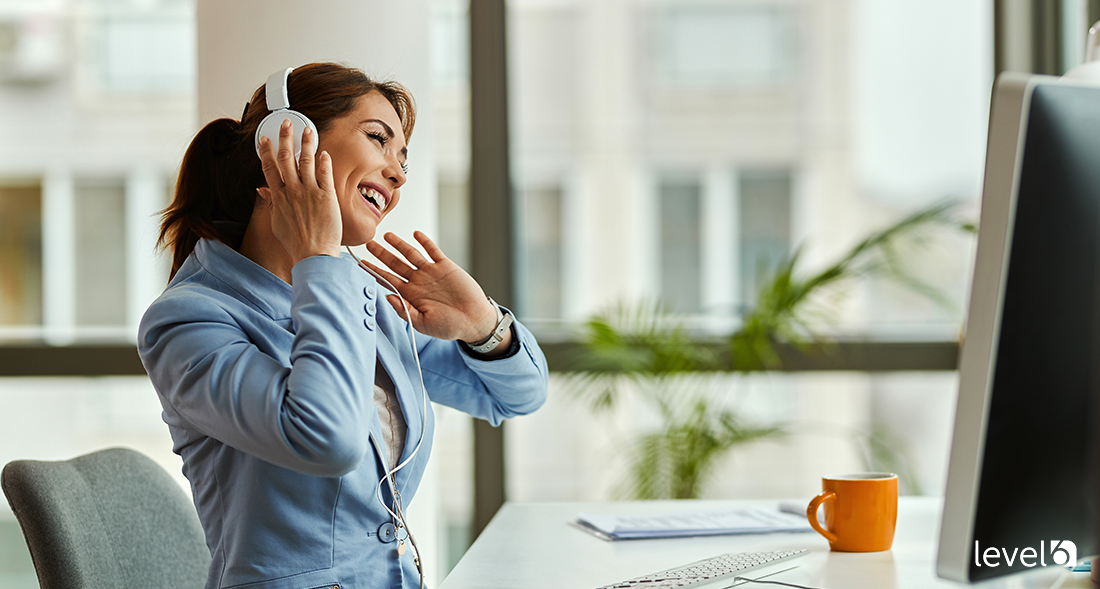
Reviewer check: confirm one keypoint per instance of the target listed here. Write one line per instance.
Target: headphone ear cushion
(269, 127)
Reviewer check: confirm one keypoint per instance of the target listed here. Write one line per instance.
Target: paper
(740, 520)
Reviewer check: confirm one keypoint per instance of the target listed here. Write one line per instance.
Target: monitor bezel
(1009, 120)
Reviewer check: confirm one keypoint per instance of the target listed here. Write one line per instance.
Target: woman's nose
(396, 172)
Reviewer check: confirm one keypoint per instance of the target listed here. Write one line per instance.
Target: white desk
(531, 546)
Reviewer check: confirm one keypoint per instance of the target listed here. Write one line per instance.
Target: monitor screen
(1020, 492)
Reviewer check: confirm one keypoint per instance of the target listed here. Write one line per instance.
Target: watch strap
(504, 323)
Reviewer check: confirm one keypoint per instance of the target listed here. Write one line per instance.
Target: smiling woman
(216, 193)
(295, 398)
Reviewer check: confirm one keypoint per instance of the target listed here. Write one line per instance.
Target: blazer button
(387, 533)
(369, 292)
(369, 323)
(369, 308)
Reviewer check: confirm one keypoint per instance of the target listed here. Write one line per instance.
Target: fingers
(324, 173)
(434, 252)
(284, 158)
(268, 165)
(395, 280)
(391, 261)
(395, 302)
(413, 261)
(306, 162)
(280, 167)
(411, 254)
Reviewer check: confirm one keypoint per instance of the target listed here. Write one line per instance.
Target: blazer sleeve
(312, 416)
(493, 390)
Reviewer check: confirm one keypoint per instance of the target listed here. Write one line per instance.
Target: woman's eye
(380, 138)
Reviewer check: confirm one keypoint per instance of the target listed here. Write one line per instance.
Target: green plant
(792, 308)
(646, 349)
(676, 461)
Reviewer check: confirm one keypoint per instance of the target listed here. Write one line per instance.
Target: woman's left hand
(444, 301)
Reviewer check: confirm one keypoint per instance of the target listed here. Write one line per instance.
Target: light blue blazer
(267, 390)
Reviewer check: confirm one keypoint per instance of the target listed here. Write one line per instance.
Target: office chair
(111, 519)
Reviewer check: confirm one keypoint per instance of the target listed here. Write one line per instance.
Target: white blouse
(390, 415)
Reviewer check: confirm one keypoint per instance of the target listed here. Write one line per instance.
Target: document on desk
(739, 520)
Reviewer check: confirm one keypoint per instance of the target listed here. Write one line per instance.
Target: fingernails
(286, 124)
(307, 131)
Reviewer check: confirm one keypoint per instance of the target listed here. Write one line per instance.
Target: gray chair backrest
(106, 520)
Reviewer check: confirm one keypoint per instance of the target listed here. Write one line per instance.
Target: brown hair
(220, 171)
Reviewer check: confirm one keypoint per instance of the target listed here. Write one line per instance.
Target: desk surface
(532, 546)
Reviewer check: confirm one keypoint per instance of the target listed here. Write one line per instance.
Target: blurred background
(672, 150)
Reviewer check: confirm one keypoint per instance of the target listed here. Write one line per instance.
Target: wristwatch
(504, 323)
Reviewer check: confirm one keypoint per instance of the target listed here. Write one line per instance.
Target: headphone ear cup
(269, 127)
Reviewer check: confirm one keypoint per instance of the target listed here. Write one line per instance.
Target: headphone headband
(278, 102)
(277, 96)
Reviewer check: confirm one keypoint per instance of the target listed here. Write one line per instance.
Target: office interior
(671, 150)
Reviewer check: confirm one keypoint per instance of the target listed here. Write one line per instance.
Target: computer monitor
(1020, 481)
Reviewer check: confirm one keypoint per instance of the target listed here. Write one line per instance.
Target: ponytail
(217, 184)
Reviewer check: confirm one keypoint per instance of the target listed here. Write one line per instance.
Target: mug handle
(811, 514)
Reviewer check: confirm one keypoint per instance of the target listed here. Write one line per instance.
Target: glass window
(1075, 29)
(20, 255)
(724, 43)
(450, 42)
(146, 53)
(680, 208)
(100, 207)
(454, 221)
(541, 271)
(765, 229)
(16, 566)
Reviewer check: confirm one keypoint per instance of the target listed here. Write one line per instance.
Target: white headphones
(278, 102)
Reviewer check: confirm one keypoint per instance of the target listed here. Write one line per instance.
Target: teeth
(372, 195)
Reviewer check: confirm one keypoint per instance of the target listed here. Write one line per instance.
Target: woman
(293, 397)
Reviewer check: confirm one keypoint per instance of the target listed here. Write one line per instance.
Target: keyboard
(719, 571)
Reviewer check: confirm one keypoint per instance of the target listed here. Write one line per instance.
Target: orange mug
(861, 511)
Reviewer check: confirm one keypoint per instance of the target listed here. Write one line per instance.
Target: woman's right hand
(305, 213)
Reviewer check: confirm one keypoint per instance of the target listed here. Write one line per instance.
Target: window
(680, 210)
(541, 272)
(150, 54)
(20, 255)
(454, 221)
(765, 228)
(723, 44)
(450, 42)
(100, 206)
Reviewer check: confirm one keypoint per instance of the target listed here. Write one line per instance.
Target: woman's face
(367, 147)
